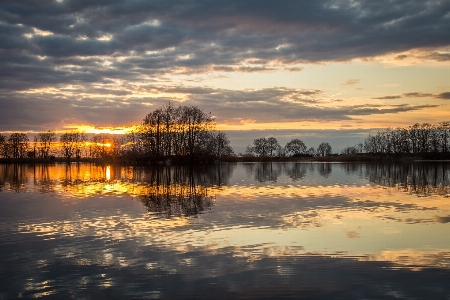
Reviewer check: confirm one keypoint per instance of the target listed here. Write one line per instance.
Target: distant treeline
(415, 139)
(425, 140)
(269, 147)
(186, 133)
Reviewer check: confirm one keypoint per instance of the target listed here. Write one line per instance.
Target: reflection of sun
(108, 173)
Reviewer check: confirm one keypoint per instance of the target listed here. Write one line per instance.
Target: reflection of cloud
(352, 234)
(413, 258)
(445, 219)
(390, 230)
(351, 81)
(112, 227)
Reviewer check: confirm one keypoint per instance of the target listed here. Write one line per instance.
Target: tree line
(416, 139)
(183, 133)
(269, 147)
(187, 133)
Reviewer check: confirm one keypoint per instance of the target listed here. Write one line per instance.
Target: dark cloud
(445, 219)
(388, 97)
(406, 95)
(157, 37)
(417, 95)
(44, 112)
(99, 106)
(445, 95)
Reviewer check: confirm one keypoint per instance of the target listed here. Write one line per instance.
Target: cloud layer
(70, 41)
(67, 54)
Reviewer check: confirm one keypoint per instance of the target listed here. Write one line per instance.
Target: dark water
(274, 231)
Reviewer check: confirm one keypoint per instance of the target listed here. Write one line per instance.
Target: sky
(332, 71)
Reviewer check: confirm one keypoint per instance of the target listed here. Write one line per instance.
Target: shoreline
(344, 158)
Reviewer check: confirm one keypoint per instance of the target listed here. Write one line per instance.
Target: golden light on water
(108, 173)
(293, 218)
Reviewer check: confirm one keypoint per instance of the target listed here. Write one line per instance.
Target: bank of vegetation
(187, 134)
(417, 142)
(184, 133)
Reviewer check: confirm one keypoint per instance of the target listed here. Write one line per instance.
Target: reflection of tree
(353, 168)
(42, 178)
(324, 169)
(181, 190)
(296, 171)
(177, 199)
(82, 179)
(13, 177)
(423, 179)
(264, 171)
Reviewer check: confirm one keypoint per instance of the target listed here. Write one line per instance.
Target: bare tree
(415, 139)
(43, 142)
(444, 136)
(72, 143)
(4, 146)
(273, 146)
(222, 145)
(19, 144)
(249, 151)
(349, 150)
(185, 131)
(324, 149)
(260, 146)
(101, 145)
(295, 147)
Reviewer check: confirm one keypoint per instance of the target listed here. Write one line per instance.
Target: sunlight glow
(98, 130)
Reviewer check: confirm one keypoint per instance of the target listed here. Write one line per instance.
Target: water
(272, 230)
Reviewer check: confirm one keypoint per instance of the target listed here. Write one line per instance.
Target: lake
(228, 231)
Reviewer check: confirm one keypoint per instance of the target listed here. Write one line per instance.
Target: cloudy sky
(294, 69)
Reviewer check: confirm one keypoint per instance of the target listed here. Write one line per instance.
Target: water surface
(256, 230)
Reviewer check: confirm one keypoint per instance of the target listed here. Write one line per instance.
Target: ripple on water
(316, 231)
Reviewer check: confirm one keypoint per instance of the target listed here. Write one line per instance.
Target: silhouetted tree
(3, 147)
(311, 151)
(273, 146)
(249, 151)
(222, 145)
(18, 143)
(102, 145)
(43, 143)
(265, 147)
(415, 139)
(185, 131)
(72, 143)
(260, 146)
(295, 146)
(349, 150)
(324, 149)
